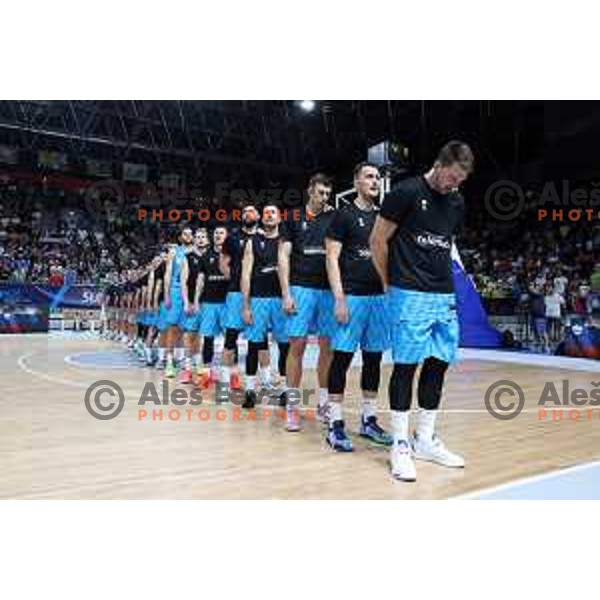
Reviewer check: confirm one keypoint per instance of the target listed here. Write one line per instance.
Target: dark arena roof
(257, 143)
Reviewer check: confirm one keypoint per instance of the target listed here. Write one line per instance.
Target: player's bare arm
(383, 230)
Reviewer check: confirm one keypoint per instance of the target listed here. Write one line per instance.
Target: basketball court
(53, 448)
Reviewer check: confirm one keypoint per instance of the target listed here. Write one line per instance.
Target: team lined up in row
(356, 277)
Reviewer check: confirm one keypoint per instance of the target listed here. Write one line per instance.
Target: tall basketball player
(411, 244)
(118, 304)
(172, 316)
(190, 286)
(112, 303)
(359, 309)
(155, 289)
(307, 299)
(214, 284)
(233, 251)
(130, 308)
(261, 291)
(122, 302)
(142, 284)
(202, 244)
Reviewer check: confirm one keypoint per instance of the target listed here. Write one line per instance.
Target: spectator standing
(554, 303)
(538, 317)
(561, 283)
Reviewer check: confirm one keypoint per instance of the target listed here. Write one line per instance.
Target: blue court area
(577, 483)
(107, 359)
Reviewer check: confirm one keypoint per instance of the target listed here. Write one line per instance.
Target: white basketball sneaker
(403, 466)
(292, 421)
(434, 451)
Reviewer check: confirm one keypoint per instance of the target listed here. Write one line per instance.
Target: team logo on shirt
(431, 240)
(423, 202)
(361, 222)
(268, 269)
(313, 250)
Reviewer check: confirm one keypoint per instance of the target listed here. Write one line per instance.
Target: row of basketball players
(366, 275)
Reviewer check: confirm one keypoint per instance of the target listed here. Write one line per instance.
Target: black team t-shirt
(159, 277)
(234, 248)
(419, 252)
(264, 281)
(142, 283)
(130, 289)
(352, 227)
(307, 258)
(122, 293)
(118, 294)
(159, 273)
(112, 295)
(194, 263)
(215, 283)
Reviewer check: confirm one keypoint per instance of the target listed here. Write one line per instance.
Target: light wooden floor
(50, 447)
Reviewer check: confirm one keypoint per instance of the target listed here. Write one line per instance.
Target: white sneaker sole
(399, 477)
(436, 461)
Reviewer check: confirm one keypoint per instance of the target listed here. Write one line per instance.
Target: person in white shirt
(561, 283)
(554, 301)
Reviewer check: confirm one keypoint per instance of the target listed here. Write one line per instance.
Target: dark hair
(456, 152)
(319, 178)
(361, 165)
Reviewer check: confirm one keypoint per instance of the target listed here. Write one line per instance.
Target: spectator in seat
(56, 278)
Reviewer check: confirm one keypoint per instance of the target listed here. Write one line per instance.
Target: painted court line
(21, 362)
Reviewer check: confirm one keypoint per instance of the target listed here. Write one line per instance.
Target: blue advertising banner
(71, 296)
(23, 309)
